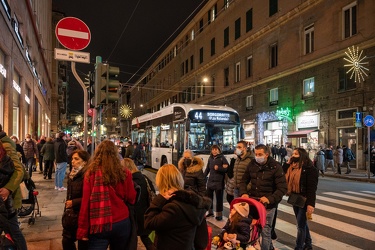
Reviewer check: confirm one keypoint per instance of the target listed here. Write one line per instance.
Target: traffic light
(106, 84)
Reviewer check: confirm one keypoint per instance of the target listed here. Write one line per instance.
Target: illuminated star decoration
(356, 64)
(125, 111)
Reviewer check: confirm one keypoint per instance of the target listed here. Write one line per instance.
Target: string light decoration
(356, 62)
(126, 111)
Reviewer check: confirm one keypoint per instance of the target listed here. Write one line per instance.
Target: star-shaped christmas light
(356, 62)
(125, 111)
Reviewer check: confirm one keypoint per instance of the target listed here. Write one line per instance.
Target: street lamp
(79, 119)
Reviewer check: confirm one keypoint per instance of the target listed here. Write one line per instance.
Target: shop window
(309, 39)
(308, 87)
(349, 20)
(249, 102)
(274, 97)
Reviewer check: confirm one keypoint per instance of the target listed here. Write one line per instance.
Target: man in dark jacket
(39, 145)
(268, 185)
(12, 187)
(31, 153)
(61, 159)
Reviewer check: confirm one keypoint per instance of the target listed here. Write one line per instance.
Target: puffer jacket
(17, 177)
(238, 170)
(179, 222)
(193, 175)
(216, 178)
(267, 180)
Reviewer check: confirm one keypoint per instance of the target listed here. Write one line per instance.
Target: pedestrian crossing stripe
(344, 203)
(361, 194)
(355, 198)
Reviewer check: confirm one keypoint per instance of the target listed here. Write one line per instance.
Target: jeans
(330, 162)
(266, 233)
(118, 238)
(29, 165)
(15, 232)
(60, 174)
(219, 195)
(303, 233)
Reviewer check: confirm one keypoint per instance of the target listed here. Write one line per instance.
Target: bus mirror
(187, 126)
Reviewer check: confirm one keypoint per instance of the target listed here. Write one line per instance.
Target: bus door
(178, 141)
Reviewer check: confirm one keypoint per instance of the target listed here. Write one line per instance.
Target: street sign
(71, 55)
(73, 33)
(369, 121)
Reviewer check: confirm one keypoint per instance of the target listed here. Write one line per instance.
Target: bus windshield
(203, 135)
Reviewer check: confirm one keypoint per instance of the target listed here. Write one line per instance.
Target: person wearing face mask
(243, 159)
(73, 201)
(191, 168)
(302, 178)
(31, 153)
(268, 185)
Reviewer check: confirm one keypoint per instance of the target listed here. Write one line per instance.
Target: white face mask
(260, 160)
(238, 152)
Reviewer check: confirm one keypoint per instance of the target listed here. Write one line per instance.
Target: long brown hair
(107, 158)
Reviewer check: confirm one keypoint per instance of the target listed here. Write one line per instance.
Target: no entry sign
(73, 33)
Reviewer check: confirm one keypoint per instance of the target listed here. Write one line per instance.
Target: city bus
(167, 133)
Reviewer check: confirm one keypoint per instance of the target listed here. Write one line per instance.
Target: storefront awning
(300, 134)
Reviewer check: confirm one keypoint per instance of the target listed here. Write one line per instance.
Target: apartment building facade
(285, 66)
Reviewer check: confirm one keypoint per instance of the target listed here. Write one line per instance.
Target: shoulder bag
(297, 200)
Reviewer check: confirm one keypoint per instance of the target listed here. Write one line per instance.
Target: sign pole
(368, 152)
(85, 101)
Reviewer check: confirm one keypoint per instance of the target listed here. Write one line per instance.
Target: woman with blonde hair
(188, 231)
(143, 203)
(107, 187)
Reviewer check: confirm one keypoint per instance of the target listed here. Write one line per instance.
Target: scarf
(74, 172)
(100, 206)
(293, 176)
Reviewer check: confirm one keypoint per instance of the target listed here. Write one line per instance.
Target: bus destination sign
(213, 116)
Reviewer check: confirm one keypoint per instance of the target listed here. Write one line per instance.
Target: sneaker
(56, 188)
(62, 189)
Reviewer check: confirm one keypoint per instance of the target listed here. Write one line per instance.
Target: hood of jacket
(192, 204)
(196, 166)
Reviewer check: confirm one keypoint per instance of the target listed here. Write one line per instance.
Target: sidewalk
(355, 175)
(46, 232)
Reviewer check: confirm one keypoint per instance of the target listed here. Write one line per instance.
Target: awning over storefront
(300, 134)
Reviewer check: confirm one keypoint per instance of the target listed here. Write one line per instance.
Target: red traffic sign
(73, 33)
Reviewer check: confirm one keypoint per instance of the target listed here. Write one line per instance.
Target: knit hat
(242, 208)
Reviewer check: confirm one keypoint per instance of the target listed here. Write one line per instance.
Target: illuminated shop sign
(3, 71)
(213, 116)
(284, 114)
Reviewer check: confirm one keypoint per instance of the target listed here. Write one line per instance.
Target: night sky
(125, 33)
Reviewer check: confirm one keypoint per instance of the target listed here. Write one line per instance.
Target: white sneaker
(56, 188)
(62, 189)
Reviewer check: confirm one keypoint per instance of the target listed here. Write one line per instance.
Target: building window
(186, 66)
(237, 29)
(212, 84)
(345, 114)
(213, 47)
(226, 37)
(308, 87)
(249, 20)
(201, 55)
(200, 25)
(273, 55)
(209, 17)
(192, 62)
(345, 83)
(214, 12)
(249, 102)
(192, 35)
(238, 72)
(273, 4)
(249, 66)
(309, 39)
(274, 97)
(349, 19)
(182, 69)
(226, 77)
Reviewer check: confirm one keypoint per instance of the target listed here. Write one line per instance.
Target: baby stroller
(258, 213)
(30, 206)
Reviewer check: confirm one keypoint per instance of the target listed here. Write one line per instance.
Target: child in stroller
(242, 230)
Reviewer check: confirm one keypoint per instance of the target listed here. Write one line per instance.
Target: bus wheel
(163, 160)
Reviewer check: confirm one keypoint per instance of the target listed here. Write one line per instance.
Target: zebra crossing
(342, 220)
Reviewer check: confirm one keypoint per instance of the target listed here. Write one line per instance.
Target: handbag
(70, 219)
(151, 193)
(297, 200)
